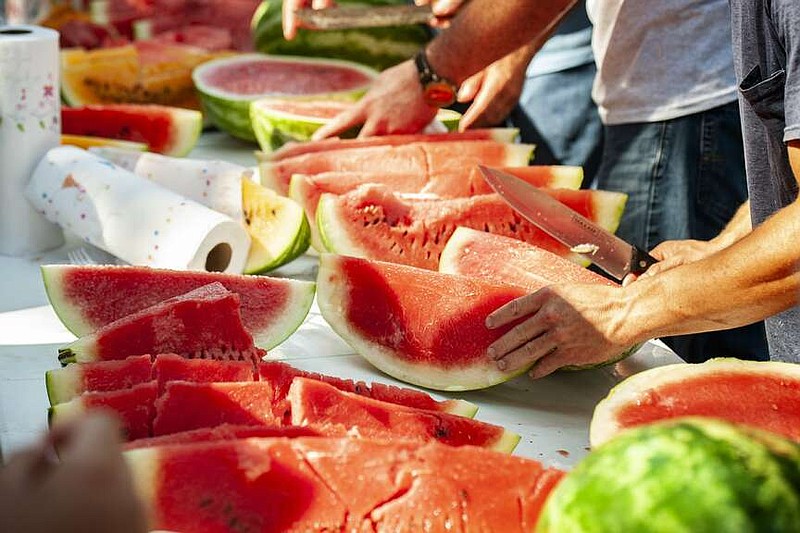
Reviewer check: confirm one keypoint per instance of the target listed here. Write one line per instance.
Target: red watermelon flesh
(383, 311)
(205, 37)
(319, 484)
(293, 149)
(504, 260)
(319, 405)
(222, 432)
(166, 130)
(375, 223)
(281, 375)
(203, 323)
(87, 297)
(133, 407)
(64, 384)
(172, 367)
(185, 406)
(427, 159)
(765, 395)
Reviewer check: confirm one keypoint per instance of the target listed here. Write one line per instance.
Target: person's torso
(658, 59)
(770, 109)
(570, 45)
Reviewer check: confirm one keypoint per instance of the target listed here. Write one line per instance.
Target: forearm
(738, 227)
(750, 280)
(487, 30)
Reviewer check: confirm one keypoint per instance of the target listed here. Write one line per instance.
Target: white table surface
(551, 414)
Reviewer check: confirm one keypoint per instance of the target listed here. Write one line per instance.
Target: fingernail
(502, 365)
(489, 322)
(491, 352)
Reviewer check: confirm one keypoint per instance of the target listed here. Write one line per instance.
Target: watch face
(439, 94)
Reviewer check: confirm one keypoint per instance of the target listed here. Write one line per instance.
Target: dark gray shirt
(766, 51)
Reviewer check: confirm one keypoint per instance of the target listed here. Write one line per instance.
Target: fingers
(527, 354)
(546, 365)
(630, 278)
(474, 115)
(289, 18)
(322, 4)
(446, 8)
(470, 87)
(342, 122)
(525, 305)
(517, 336)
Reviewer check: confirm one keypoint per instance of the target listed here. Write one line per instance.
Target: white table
(551, 414)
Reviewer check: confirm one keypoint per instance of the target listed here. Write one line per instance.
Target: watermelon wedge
(64, 384)
(765, 395)
(292, 149)
(166, 130)
(383, 311)
(318, 484)
(375, 223)
(203, 323)
(222, 432)
(86, 142)
(322, 406)
(172, 367)
(428, 159)
(133, 407)
(87, 297)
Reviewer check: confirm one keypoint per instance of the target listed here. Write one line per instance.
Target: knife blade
(602, 248)
(347, 17)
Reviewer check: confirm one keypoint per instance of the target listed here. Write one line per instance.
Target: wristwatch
(437, 91)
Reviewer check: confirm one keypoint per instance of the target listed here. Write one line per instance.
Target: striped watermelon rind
(378, 48)
(687, 474)
(231, 112)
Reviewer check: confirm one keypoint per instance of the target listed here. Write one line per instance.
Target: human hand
(566, 325)
(394, 104)
(86, 489)
(494, 91)
(443, 10)
(289, 14)
(671, 254)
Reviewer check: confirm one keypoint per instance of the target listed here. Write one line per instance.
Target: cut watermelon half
(765, 395)
(227, 86)
(306, 190)
(64, 384)
(318, 484)
(424, 159)
(320, 405)
(383, 311)
(87, 297)
(374, 223)
(203, 323)
(292, 149)
(166, 130)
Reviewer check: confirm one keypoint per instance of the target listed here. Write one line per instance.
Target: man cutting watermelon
(737, 278)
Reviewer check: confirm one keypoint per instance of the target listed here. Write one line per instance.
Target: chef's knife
(346, 17)
(583, 236)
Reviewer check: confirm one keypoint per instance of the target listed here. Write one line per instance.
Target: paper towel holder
(219, 257)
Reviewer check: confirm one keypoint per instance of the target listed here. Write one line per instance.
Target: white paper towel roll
(29, 126)
(132, 217)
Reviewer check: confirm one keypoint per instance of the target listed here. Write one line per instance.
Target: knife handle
(641, 261)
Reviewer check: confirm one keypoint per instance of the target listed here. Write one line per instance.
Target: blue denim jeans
(685, 179)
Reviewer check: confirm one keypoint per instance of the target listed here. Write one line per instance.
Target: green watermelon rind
(231, 112)
(188, 125)
(604, 426)
(378, 48)
(332, 302)
(683, 475)
(296, 193)
(62, 384)
(300, 299)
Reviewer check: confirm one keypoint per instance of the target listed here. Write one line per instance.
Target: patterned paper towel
(132, 217)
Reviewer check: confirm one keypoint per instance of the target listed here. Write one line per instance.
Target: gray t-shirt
(766, 50)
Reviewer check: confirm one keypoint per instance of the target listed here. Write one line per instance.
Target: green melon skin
(689, 475)
(378, 48)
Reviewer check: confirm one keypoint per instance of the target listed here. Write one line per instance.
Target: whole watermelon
(687, 475)
(378, 48)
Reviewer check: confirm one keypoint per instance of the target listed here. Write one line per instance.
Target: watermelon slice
(318, 484)
(426, 159)
(228, 85)
(764, 395)
(186, 406)
(375, 223)
(133, 407)
(166, 130)
(322, 406)
(64, 384)
(172, 367)
(203, 323)
(383, 311)
(222, 432)
(86, 142)
(87, 297)
(307, 189)
(280, 377)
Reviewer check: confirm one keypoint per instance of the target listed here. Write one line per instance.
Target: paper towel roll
(215, 184)
(30, 125)
(132, 217)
